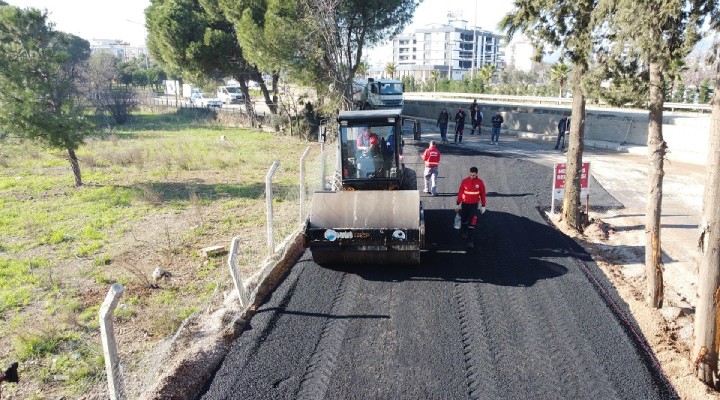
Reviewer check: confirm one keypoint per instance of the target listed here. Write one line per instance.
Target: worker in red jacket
(431, 156)
(471, 192)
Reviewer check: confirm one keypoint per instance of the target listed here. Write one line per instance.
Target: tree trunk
(270, 101)
(656, 157)
(705, 348)
(75, 167)
(572, 213)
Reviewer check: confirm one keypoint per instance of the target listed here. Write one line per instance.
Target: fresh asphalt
(526, 315)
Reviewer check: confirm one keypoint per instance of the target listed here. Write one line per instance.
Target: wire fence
(140, 376)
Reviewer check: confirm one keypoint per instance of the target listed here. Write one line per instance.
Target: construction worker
(431, 156)
(471, 192)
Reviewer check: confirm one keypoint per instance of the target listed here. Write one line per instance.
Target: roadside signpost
(559, 184)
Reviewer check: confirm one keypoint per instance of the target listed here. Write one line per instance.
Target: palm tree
(362, 68)
(559, 73)
(390, 69)
(434, 74)
(486, 73)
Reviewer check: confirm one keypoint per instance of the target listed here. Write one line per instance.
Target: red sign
(559, 180)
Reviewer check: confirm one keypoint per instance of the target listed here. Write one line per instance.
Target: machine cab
(370, 149)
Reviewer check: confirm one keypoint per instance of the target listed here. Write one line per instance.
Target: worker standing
(471, 192)
(431, 156)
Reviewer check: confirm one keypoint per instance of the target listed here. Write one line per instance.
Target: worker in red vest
(431, 156)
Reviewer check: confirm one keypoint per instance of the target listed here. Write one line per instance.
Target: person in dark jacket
(442, 123)
(477, 124)
(563, 129)
(473, 111)
(496, 121)
(459, 124)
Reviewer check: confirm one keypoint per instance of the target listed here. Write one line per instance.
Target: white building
(452, 49)
(520, 55)
(119, 49)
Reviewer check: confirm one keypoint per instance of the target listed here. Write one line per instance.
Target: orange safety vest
(471, 191)
(431, 156)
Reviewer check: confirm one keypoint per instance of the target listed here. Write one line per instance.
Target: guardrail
(540, 100)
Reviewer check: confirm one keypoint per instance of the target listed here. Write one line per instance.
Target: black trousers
(469, 217)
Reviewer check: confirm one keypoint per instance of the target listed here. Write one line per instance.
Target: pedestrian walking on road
(496, 121)
(563, 129)
(473, 110)
(478, 121)
(431, 156)
(470, 194)
(459, 124)
(442, 123)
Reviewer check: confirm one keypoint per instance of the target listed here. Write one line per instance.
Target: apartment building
(119, 49)
(452, 49)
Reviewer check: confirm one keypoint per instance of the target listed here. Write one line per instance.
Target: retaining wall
(685, 133)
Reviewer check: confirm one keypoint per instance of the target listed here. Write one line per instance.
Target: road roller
(373, 214)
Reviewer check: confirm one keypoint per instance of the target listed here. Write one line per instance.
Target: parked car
(204, 100)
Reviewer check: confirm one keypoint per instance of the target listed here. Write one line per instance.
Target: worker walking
(496, 121)
(471, 192)
(563, 130)
(459, 124)
(431, 156)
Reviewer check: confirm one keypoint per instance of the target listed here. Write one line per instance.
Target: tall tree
(40, 73)
(193, 36)
(663, 32)
(265, 32)
(705, 347)
(565, 25)
(337, 33)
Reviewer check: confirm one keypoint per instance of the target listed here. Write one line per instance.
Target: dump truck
(377, 93)
(373, 214)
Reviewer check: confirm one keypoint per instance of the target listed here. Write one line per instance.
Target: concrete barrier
(685, 133)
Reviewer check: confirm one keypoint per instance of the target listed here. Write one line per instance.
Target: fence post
(269, 207)
(302, 184)
(107, 334)
(235, 273)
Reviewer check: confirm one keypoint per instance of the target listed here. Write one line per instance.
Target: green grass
(62, 246)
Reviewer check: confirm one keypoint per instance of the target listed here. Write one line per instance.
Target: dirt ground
(669, 331)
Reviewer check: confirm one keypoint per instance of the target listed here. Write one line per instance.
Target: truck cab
(380, 93)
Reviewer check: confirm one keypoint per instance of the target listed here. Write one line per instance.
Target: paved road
(527, 315)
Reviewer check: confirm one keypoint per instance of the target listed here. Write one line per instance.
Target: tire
(409, 180)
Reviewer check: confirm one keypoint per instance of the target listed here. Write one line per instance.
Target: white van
(230, 94)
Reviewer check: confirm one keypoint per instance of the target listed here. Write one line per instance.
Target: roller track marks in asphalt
(323, 360)
(482, 382)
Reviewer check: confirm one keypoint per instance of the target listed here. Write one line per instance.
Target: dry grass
(156, 193)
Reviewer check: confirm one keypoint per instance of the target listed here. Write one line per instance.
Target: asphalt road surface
(526, 315)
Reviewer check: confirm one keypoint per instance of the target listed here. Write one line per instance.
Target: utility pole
(450, 54)
(474, 46)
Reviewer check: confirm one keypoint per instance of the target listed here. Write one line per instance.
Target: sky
(124, 19)
(95, 19)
